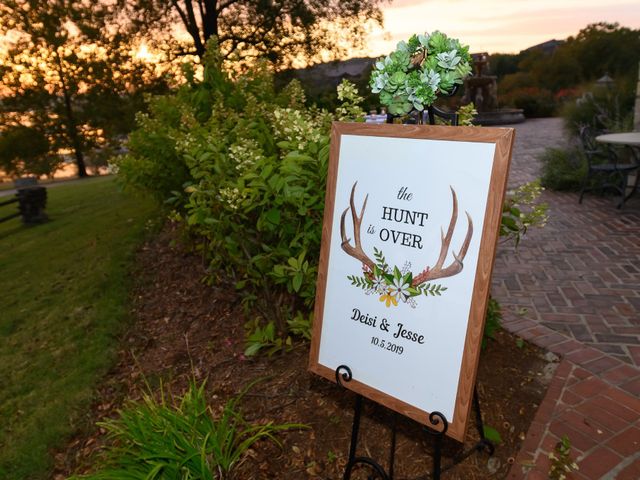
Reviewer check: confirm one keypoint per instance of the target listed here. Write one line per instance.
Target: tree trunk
(187, 15)
(210, 20)
(71, 125)
(75, 138)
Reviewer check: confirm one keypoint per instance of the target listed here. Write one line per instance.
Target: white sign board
(411, 223)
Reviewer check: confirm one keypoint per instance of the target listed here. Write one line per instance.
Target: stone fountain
(482, 90)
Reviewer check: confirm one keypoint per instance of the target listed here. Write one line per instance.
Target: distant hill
(330, 74)
(547, 47)
(320, 81)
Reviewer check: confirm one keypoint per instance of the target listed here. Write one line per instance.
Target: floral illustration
(393, 285)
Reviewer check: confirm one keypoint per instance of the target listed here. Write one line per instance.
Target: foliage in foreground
(180, 438)
(64, 291)
(254, 166)
(561, 462)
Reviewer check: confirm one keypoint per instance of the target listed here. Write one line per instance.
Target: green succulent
(420, 69)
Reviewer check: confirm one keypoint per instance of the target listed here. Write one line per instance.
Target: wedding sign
(410, 230)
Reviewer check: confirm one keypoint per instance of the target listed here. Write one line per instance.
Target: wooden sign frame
(482, 245)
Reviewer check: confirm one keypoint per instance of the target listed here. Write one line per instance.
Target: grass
(64, 294)
(180, 437)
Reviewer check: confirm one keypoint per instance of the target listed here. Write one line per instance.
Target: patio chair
(604, 169)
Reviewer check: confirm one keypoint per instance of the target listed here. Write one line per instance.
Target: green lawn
(64, 290)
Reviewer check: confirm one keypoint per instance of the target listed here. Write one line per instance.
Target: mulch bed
(184, 328)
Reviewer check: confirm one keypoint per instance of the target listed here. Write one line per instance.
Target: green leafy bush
(153, 163)
(563, 168)
(246, 172)
(255, 202)
(604, 109)
(493, 321)
(179, 438)
(536, 102)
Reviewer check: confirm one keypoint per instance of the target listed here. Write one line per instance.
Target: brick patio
(574, 289)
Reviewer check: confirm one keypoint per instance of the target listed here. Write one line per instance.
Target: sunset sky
(505, 26)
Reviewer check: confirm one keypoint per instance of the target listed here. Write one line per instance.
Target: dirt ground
(183, 328)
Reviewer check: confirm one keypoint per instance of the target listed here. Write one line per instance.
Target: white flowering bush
(523, 210)
(253, 199)
(296, 128)
(419, 70)
(349, 110)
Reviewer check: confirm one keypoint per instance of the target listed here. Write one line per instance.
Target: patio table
(631, 140)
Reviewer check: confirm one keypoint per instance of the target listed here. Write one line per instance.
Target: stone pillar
(636, 111)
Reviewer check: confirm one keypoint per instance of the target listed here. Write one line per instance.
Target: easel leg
(483, 443)
(343, 374)
(438, 432)
(392, 452)
(437, 457)
(355, 429)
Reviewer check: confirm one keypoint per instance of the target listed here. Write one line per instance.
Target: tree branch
(201, 9)
(224, 5)
(189, 21)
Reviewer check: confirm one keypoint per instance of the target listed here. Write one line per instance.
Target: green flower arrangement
(419, 70)
(393, 285)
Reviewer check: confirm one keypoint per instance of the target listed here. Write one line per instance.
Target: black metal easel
(437, 432)
(429, 114)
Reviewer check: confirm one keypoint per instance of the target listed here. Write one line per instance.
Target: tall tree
(281, 31)
(25, 150)
(605, 48)
(61, 59)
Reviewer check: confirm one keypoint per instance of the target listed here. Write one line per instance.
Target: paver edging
(583, 380)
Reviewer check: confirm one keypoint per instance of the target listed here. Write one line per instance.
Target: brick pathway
(574, 289)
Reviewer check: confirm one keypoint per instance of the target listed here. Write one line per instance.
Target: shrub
(536, 102)
(522, 210)
(605, 109)
(245, 170)
(153, 164)
(26, 150)
(179, 438)
(563, 168)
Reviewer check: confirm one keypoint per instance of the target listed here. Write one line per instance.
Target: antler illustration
(456, 266)
(429, 273)
(357, 251)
